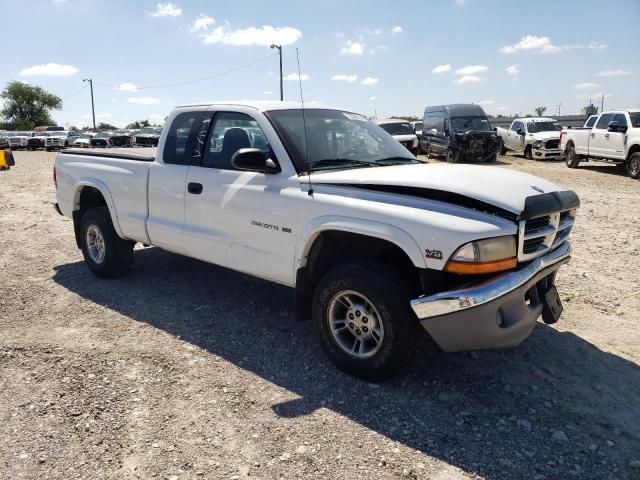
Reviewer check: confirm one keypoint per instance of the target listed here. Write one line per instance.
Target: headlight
(537, 144)
(484, 256)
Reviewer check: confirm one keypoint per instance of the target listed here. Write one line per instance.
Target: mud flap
(551, 306)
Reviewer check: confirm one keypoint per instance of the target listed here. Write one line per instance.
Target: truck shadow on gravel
(492, 414)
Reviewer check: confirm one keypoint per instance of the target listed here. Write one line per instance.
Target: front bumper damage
(500, 312)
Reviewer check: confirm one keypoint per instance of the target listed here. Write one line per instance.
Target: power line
(72, 94)
(189, 82)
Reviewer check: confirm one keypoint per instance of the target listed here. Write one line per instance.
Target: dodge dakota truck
(615, 138)
(374, 244)
(538, 138)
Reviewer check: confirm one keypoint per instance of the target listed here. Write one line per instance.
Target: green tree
(540, 111)
(139, 124)
(408, 118)
(27, 106)
(106, 126)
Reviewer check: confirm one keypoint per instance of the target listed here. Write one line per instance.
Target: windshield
(635, 119)
(85, 135)
(537, 127)
(335, 139)
(397, 128)
(103, 135)
(467, 124)
(418, 126)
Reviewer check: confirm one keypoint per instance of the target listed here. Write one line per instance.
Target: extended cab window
(591, 122)
(180, 138)
(604, 121)
(232, 131)
(621, 119)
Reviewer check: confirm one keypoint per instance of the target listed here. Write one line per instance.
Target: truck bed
(143, 154)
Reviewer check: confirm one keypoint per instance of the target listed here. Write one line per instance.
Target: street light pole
(93, 110)
(279, 47)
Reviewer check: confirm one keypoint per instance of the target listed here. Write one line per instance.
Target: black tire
(118, 253)
(48, 149)
(453, 157)
(501, 148)
(492, 159)
(528, 152)
(633, 165)
(384, 289)
(571, 158)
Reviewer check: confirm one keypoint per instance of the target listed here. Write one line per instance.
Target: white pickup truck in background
(536, 137)
(375, 243)
(615, 137)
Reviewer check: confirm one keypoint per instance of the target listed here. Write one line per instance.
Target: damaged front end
(477, 146)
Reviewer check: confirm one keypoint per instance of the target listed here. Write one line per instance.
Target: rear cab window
(181, 136)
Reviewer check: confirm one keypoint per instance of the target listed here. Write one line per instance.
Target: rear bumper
(500, 312)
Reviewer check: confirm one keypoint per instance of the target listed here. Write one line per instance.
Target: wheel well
(90, 197)
(632, 150)
(333, 248)
(569, 144)
(528, 147)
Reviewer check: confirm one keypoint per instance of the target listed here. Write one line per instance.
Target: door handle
(195, 188)
(606, 135)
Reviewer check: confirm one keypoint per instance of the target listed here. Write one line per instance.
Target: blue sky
(375, 56)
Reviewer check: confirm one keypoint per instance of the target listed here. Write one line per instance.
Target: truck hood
(544, 135)
(505, 189)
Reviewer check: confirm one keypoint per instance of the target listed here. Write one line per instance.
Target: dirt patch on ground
(185, 370)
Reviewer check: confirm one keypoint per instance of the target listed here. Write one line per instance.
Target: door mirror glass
(519, 131)
(616, 127)
(253, 160)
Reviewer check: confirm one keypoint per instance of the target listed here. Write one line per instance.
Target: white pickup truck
(374, 242)
(538, 138)
(615, 137)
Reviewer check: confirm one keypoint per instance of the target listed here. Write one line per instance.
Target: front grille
(552, 143)
(98, 142)
(539, 235)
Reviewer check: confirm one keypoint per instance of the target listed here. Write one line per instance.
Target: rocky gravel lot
(184, 370)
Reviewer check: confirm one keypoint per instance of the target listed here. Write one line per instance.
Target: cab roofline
(261, 105)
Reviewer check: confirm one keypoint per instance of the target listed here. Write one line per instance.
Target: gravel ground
(172, 373)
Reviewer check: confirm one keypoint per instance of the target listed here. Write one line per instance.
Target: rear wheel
(633, 165)
(571, 157)
(453, 157)
(107, 255)
(362, 315)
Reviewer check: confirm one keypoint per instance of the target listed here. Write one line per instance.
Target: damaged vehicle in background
(83, 140)
(459, 132)
(538, 138)
(121, 138)
(38, 140)
(147, 137)
(101, 140)
(402, 131)
(18, 140)
(58, 140)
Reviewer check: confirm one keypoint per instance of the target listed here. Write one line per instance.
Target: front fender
(369, 228)
(104, 190)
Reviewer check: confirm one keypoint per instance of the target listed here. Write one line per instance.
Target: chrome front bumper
(495, 313)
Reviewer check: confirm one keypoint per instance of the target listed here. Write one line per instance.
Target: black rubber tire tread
(571, 158)
(385, 288)
(528, 152)
(118, 252)
(633, 165)
(453, 157)
(502, 149)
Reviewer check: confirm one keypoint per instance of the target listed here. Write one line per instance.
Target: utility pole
(93, 110)
(279, 47)
(602, 104)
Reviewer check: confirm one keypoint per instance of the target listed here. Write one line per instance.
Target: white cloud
(468, 79)
(246, 37)
(267, 92)
(533, 43)
(143, 100)
(371, 99)
(353, 48)
(513, 70)
(49, 70)
(472, 69)
(127, 87)
(203, 22)
(486, 102)
(166, 10)
(613, 73)
(593, 96)
(396, 30)
(294, 76)
(442, 68)
(345, 78)
(370, 81)
(586, 86)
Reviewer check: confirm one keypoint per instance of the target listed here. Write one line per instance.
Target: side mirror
(519, 131)
(616, 127)
(253, 160)
(495, 129)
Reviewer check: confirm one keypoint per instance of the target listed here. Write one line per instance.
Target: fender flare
(370, 228)
(106, 194)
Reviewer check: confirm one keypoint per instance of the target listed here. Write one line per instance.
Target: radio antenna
(304, 126)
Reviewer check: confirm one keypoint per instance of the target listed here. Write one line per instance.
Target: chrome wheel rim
(634, 169)
(95, 244)
(355, 324)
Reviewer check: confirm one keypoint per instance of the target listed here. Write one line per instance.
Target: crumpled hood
(545, 135)
(503, 188)
(404, 138)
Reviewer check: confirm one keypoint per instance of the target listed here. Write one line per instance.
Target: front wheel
(107, 255)
(633, 165)
(453, 157)
(501, 148)
(362, 315)
(528, 153)
(571, 157)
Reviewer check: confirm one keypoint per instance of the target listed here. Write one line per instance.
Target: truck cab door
(614, 140)
(599, 136)
(239, 219)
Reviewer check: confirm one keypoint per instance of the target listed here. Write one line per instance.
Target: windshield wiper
(395, 161)
(341, 163)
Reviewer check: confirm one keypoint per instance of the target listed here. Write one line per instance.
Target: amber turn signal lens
(471, 268)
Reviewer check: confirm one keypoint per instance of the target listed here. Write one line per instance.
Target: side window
(591, 122)
(604, 121)
(180, 138)
(621, 119)
(439, 123)
(514, 126)
(232, 131)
